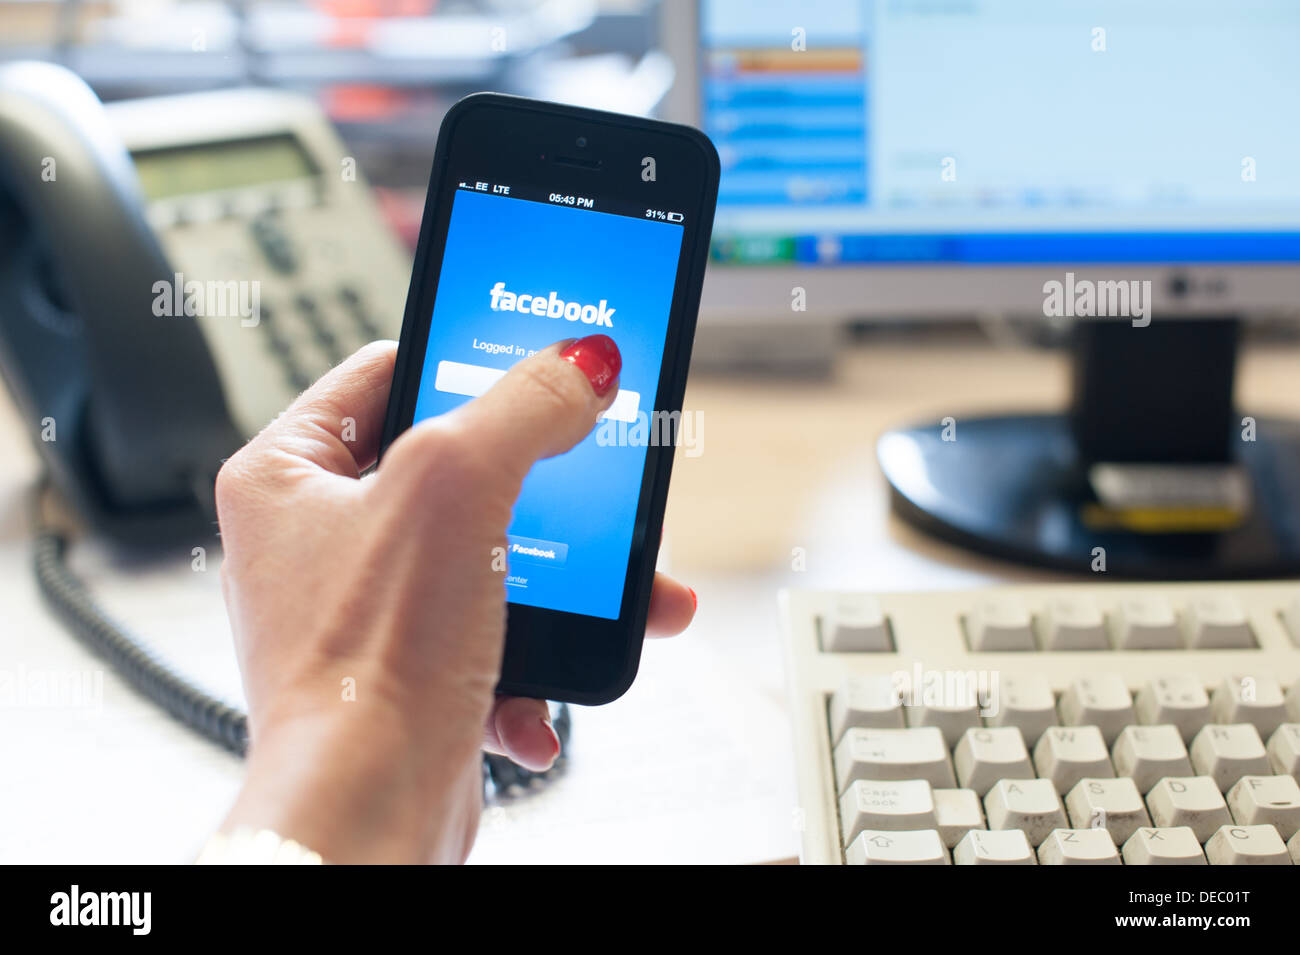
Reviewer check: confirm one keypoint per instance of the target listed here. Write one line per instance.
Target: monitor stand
(1151, 473)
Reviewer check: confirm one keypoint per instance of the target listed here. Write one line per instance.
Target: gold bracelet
(245, 846)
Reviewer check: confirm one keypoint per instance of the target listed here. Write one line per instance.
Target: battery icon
(675, 217)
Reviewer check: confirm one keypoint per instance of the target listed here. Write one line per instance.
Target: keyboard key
(1146, 623)
(1073, 623)
(1101, 700)
(1067, 754)
(1000, 623)
(1192, 801)
(1078, 847)
(1027, 703)
(1247, 845)
(900, 805)
(1294, 847)
(1275, 800)
(1147, 754)
(1293, 702)
(897, 848)
(1111, 804)
(958, 811)
(1291, 620)
(1030, 805)
(1178, 699)
(915, 753)
(1226, 753)
(951, 721)
(1176, 846)
(998, 847)
(866, 702)
(1252, 699)
(1216, 621)
(856, 624)
(1284, 750)
(985, 755)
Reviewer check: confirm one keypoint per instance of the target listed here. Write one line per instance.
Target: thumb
(544, 405)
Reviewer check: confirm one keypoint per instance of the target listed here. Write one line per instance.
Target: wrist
(352, 786)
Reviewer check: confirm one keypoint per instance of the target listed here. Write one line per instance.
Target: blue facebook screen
(516, 276)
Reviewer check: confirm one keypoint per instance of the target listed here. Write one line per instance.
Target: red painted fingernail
(695, 601)
(555, 737)
(598, 357)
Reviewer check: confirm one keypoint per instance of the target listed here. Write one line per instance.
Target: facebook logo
(552, 306)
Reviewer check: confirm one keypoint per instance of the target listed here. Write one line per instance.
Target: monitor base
(1017, 487)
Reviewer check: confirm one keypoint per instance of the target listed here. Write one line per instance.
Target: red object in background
(353, 19)
(361, 102)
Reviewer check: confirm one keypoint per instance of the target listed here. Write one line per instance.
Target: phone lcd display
(217, 166)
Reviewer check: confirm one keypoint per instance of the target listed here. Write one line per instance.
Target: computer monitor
(1131, 165)
(941, 157)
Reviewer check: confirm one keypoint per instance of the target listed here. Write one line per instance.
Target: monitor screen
(986, 132)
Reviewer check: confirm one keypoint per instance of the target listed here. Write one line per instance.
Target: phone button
(530, 550)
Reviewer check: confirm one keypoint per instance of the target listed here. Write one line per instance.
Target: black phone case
(408, 366)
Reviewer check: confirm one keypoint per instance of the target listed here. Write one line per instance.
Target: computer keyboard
(1075, 724)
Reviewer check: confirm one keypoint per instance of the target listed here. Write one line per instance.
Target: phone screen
(524, 268)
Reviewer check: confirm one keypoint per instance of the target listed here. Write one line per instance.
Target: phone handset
(125, 406)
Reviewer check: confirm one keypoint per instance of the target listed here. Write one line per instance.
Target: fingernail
(598, 357)
(555, 737)
(695, 601)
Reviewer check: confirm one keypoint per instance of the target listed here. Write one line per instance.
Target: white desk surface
(692, 765)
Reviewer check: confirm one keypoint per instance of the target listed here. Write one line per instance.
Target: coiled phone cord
(210, 717)
(205, 714)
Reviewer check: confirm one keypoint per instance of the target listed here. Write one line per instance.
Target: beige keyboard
(1078, 724)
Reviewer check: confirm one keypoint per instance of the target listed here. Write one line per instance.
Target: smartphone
(602, 223)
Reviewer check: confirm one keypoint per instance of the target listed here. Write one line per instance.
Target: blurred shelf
(203, 44)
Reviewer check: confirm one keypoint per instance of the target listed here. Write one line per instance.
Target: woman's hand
(368, 615)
